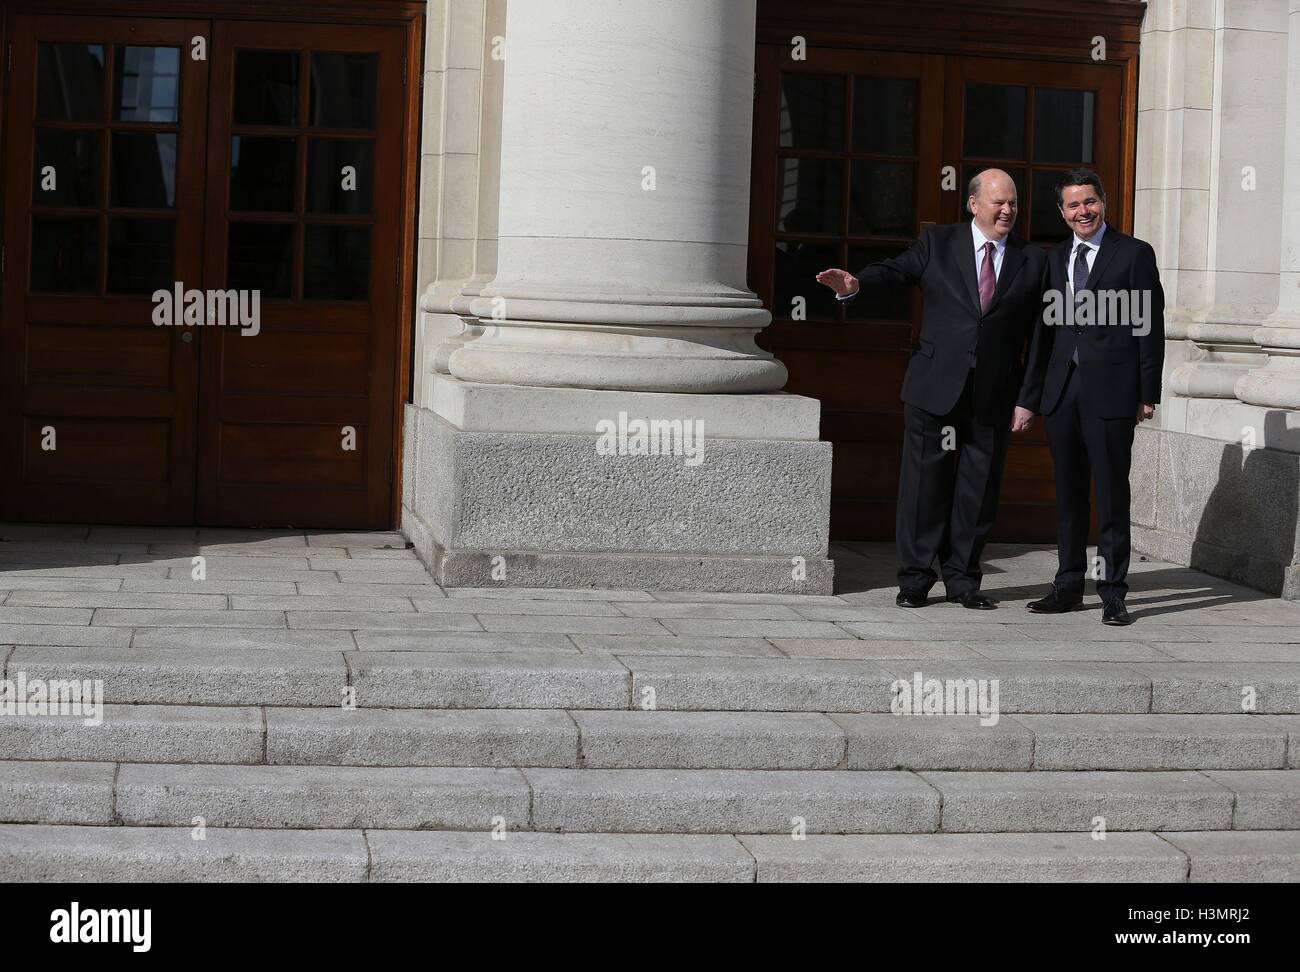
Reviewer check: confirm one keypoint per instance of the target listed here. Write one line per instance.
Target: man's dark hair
(1079, 177)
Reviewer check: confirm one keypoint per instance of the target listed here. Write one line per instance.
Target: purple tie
(988, 280)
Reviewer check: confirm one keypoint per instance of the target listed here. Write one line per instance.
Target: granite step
(644, 801)
(631, 739)
(490, 670)
(154, 854)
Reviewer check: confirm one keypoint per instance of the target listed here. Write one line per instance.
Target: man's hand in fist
(840, 281)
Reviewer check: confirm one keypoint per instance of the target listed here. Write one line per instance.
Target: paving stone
(863, 649)
(243, 639)
(761, 685)
(705, 609)
(466, 641)
(568, 624)
(933, 631)
(195, 676)
(887, 741)
(10, 616)
(739, 598)
(23, 582)
(327, 797)
(139, 734)
(548, 594)
(130, 618)
(1057, 802)
(412, 576)
(709, 740)
(730, 801)
(1201, 651)
(1265, 799)
(1214, 687)
(352, 538)
(1154, 742)
(59, 634)
(704, 628)
(523, 857)
(254, 575)
(169, 854)
(672, 645)
(967, 858)
(380, 621)
(1218, 633)
(498, 605)
(500, 680)
(1240, 856)
(339, 602)
(1057, 687)
(116, 571)
(887, 614)
(62, 792)
(1145, 632)
(336, 588)
(421, 737)
(165, 585)
(1073, 651)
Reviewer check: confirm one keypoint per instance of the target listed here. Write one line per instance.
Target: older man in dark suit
(1104, 354)
(966, 387)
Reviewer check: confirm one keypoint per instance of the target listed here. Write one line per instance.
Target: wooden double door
(256, 172)
(855, 152)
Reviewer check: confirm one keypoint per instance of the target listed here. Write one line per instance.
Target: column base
(537, 505)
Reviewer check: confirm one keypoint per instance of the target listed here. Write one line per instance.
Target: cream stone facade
(1218, 196)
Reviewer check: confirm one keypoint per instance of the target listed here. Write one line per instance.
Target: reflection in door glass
(994, 125)
(340, 175)
(336, 264)
(69, 82)
(343, 90)
(67, 168)
(146, 84)
(141, 255)
(260, 257)
(65, 256)
(262, 173)
(884, 115)
(809, 195)
(812, 111)
(143, 173)
(266, 88)
(1062, 125)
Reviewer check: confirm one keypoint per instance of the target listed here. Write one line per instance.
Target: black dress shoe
(974, 600)
(1055, 603)
(911, 599)
(1114, 612)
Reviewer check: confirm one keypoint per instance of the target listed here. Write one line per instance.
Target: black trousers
(947, 494)
(1085, 447)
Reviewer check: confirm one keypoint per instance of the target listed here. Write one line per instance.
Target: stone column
(1231, 144)
(625, 157)
(1277, 384)
(619, 303)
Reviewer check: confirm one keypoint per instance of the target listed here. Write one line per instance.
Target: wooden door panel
(103, 199)
(294, 425)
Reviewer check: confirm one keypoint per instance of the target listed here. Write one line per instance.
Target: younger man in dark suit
(1104, 349)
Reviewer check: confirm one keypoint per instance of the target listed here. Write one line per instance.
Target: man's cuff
(847, 297)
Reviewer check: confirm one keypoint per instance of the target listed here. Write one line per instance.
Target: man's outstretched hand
(840, 281)
(1022, 419)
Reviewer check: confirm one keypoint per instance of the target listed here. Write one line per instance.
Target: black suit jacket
(1119, 366)
(955, 334)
